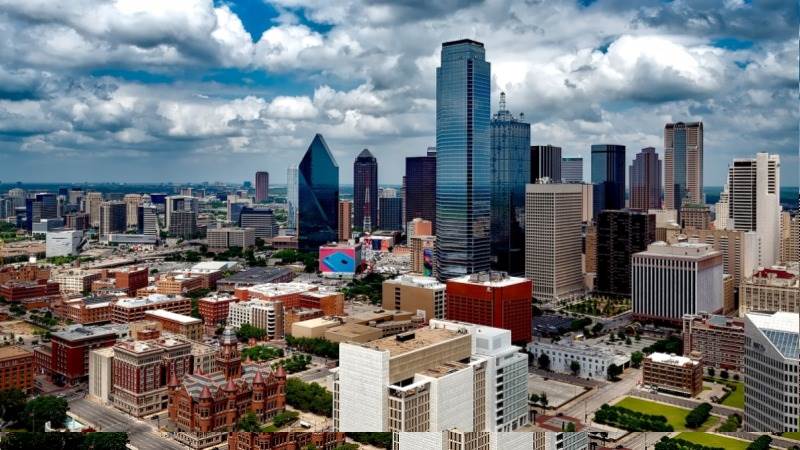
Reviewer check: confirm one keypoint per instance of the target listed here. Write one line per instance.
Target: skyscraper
(92, 206)
(646, 180)
(754, 204)
(112, 217)
(510, 143)
(345, 219)
(620, 234)
(391, 213)
(683, 163)
(43, 206)
(420, 187)
(545, 162)
(365, 189)
(572, 170)
(463, 165)
(262, 186)
(318, 196)
(608, 177)
(132, 202)
(291, 198)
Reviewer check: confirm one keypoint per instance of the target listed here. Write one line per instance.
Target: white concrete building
(578, 440)
(73, 281)
(259, 313)
(772, 372)
(459, 440)
(553, 216)
(63, 243)
(669, 281)
(101, 378)
(593, 360)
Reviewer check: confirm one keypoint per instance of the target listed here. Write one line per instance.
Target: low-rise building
(222, 239)
(101, 381)
(63, 243)
(673, 374)
(287, 293)
(187, 326)
(267, 315)
(67, 354)
(131, 279)
(91, 310)
(254, 276)
(214, 310)
(593, 361)
(718, 340)
(352, 332)
(773, 289)
(128, 310)
(76, 280)
(416, 294)
(314, 328)
(290, 440)
(331, 303)
(294, 315)
(16, 368)
(180, 284)
(19, 291)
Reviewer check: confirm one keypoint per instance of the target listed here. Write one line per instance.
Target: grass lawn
(675, 416)
(792, 435)
(713, 440)
(736, 399)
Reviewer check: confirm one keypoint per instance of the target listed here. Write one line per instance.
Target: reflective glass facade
(511, 165)
(318, 196)
(365, 189)
(608, 177)
(421, 188)
(463, 165)
(291, 198)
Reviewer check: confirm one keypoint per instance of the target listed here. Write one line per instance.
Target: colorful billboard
(427, 262)
(339, 259)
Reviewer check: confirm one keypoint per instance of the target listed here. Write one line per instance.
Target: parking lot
(557, 392)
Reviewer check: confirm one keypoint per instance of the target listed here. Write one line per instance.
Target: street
(604, 394)
(106, 418)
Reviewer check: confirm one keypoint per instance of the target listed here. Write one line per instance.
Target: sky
(201, 90)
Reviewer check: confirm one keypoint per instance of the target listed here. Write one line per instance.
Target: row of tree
(315, 346)
(20, 413)
(309, 397)
(627, 419)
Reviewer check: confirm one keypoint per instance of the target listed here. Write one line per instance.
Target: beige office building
(790, 237)
(221, 239)
(739, 249)
(691, 135)
(422, 246)
(132, 202)
(345, 219)
(415, 294)
(92, 207)
(770, 290)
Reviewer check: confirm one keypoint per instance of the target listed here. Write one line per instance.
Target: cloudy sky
(201, 90)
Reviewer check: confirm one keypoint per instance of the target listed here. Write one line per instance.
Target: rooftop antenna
(502, 101)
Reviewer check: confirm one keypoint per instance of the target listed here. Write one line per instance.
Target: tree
(45, 409)
(628, 341)
(570, 427)
(534, 398)
(724, 374)
(106, 441)
(698, 416)
(247, 331)
(575, 367)
(12, 404)
(309, 397)
(347, 446)
(762, 443)
(284, 418)
(711, 371)
(544, 361)
(636, 359)
(249, 423)
(543, 400)
(614, 371)
(382, 440)
(597, 328)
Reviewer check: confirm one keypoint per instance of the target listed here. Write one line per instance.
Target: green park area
(792, 435)
(713, 440)
(675, 416)
(736, 398)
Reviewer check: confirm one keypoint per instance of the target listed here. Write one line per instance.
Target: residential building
(572, 170)
(262, 186)
(415, 294)
(620, 234)
(112, 217)
(463, 164)
(672, 280)
(674, 374)
(493, 299)
(772, 289)
(645, 175)
(390, 213)
(739, 250)
(318, 196)
(260, 219)
(423, 253)
(141, 370)
(771, 371)
(418, 227)
(553, 236)
(545, 162)
(131, 309)
(718, 340)
(68, 351)
(345, 219)
(754, 202)
(593, 361)
(16, 368)
(511, 160)
(63, 243)
(267, 315)
(187, 326)
(608, 177)
(365, 191)
(683, 164)
(420, 187)
(222, 239)
(214, 309)
(695, 216)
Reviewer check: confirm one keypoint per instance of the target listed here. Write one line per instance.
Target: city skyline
(222, 98)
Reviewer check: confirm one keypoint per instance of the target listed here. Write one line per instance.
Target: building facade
(365, 191)
(420, 187)
(390, 213)
(545, 162)
(262, 186)
(317, 196)
(717, 340)
(112, 217)
(572, 170)
(620, 234)
(683, 164)
(673, 374)
(608, 177)
(773, 289)
(645, 176)
(345, 219)
(415, 293)
(16, 368)
(593, 361)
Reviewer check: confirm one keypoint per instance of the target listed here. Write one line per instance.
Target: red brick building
(27, 272)
(493, 299)
(285, 441)
(87, 310)
(17, 291)
(132, 309)
(69, 352)
(131, 279)
(331, 303)
(214, 310)
(16, 368)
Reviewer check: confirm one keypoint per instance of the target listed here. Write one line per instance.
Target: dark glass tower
(365, 190)
(510, 143)
(421, 187)
(42, 206)
(645, 178)
(318, 196)
(463, 165)
(608, 177)
(620, 234)
(391, 213)
(545, 161)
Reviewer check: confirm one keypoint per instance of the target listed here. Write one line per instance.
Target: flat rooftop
(489, 279)
(13, 351)
(79, 332)
(175, 317)
(689, 250)
(673, 360)
(423, 337)
(256, 275)
(277, 289)
(135, 302)
(444, 369)
(318, 322)
(418, 281)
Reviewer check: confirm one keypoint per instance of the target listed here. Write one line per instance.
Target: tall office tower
(132, 202)
(235, 206)
(112, 217)
(771, 367)
(147, 220)
(74, 196)
(92, 206)
(183, 224)
(695, 216)
(672, 280)
(262, 186)
(510, 143)
(345, 217)
(493, 299)
(722, 210)
(365, 189)
(553, 240)
(572, 170)
(292, 198)
(754, 201)
(790, 238)
(683, 164)
(41, 206)
(318, 196)
(420, 187)
(608, 177)
(739, 250)
(645, 179)
(390, 213)
(545, 162)
(17, 197)
(620, 234)
(180, 203)
(463, 164)
(261, 219)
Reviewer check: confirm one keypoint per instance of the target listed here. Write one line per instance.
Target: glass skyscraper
(645, 175)
(463, 165)
(365, 190)
(683, 164)
(318, 197)
(608, 177)
(511, 165)
(420, 187)
(291, 198)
